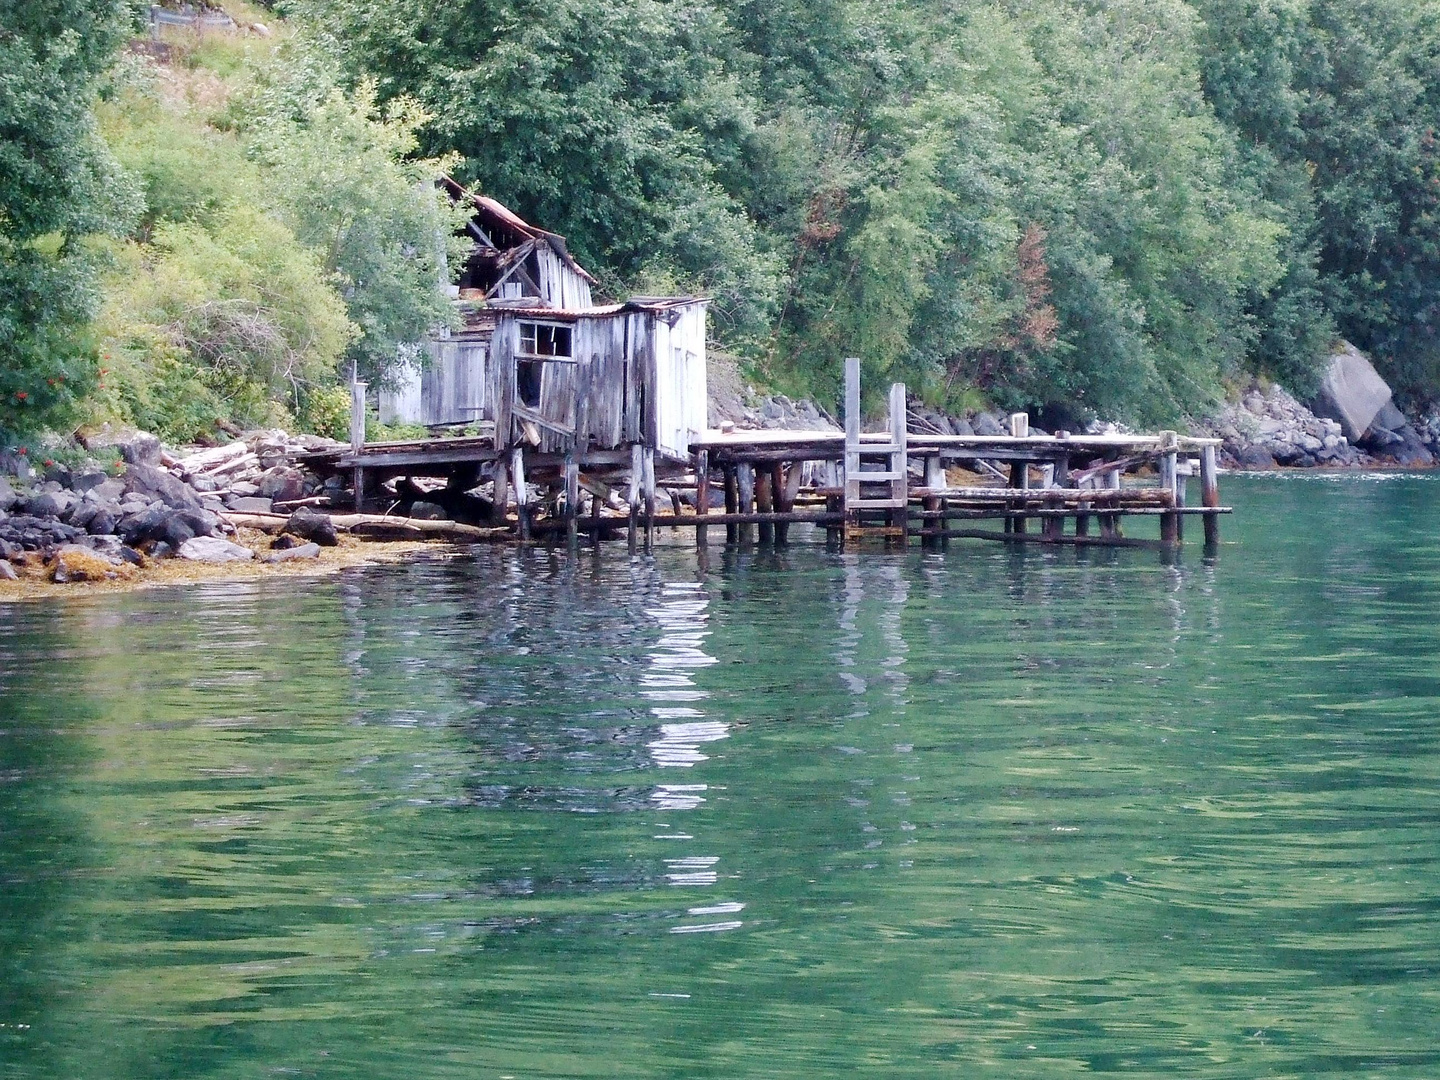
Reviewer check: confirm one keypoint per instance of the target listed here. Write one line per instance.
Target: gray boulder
(427, 511)
(213, 549)
(8, 498)
(282, 483)
(985, 424)
(1254, 456)
(50, 504)
(102, 522)
(108, 490)
(303, 551)
(1351, 392)
(159, 484)
(134, 447)
(309, 525)
(7, 572)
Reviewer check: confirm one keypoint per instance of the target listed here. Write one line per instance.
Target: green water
(989, 813)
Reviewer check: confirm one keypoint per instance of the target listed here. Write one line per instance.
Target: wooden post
(1082, 518)
(1169, 523)
(1110, 527)
(1019, 479)
(572, 502)
(1210, 494)
(745, 481)
(732, 502)
(595, 503)
(637, 468)
(788, 486)
(500, 496)
(357, 437)
(702, 494)
(934, 478)
(648, 464)
(522, 495)
(850, 478)
(899, 462)
(1019, 425)
(765, 503)
(357, 416)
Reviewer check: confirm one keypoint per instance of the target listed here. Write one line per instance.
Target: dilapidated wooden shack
(537, 364)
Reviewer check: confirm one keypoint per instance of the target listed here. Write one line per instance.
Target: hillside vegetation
(1094, 208)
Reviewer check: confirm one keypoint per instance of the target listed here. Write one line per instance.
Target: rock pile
(85, 523)
(1270, 428)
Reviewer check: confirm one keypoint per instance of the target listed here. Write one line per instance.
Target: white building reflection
(675, 702)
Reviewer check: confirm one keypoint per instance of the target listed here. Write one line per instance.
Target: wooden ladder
(863, 503)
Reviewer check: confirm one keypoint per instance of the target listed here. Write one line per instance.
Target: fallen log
(376, 526)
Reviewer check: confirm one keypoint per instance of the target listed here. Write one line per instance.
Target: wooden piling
(745, 481)
(765, 503)
(571, 474)
(788, 485)
(637, 470)
(500, 494)
(647, 461)
(1210, 494)
(702, 494)
(732, 503)
(522, 495)
(1169, 523)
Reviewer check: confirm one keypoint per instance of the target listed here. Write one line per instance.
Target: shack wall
(560, 285)
(680, 384)
(452, 386)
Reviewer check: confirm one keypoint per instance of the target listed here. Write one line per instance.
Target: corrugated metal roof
(495, 213)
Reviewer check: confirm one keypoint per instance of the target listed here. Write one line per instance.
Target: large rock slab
(213, 549)
(1351, 392)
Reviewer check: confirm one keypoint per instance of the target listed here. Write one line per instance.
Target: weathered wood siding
(680, 386)
(560, 286)
(504, 343)
(452, 387)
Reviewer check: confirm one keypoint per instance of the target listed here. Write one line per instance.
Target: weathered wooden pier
(892, 484)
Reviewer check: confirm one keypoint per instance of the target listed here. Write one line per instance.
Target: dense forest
(1123, 209)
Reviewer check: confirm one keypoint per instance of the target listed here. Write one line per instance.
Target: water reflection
(982, 813)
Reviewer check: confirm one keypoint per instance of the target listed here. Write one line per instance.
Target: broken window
(527, 382)
(544, 339)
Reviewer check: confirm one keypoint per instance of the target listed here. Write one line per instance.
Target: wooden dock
(891, 484)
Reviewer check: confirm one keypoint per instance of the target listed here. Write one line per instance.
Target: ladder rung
(877, 477)
(874, 504)
(868, 449)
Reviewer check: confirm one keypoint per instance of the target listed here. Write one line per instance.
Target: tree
(58, 186)
(343, 174)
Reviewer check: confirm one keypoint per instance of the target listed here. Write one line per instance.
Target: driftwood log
(376, 527)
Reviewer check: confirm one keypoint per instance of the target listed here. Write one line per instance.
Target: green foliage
(285, 236)
(58, 186)
(342, 174)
